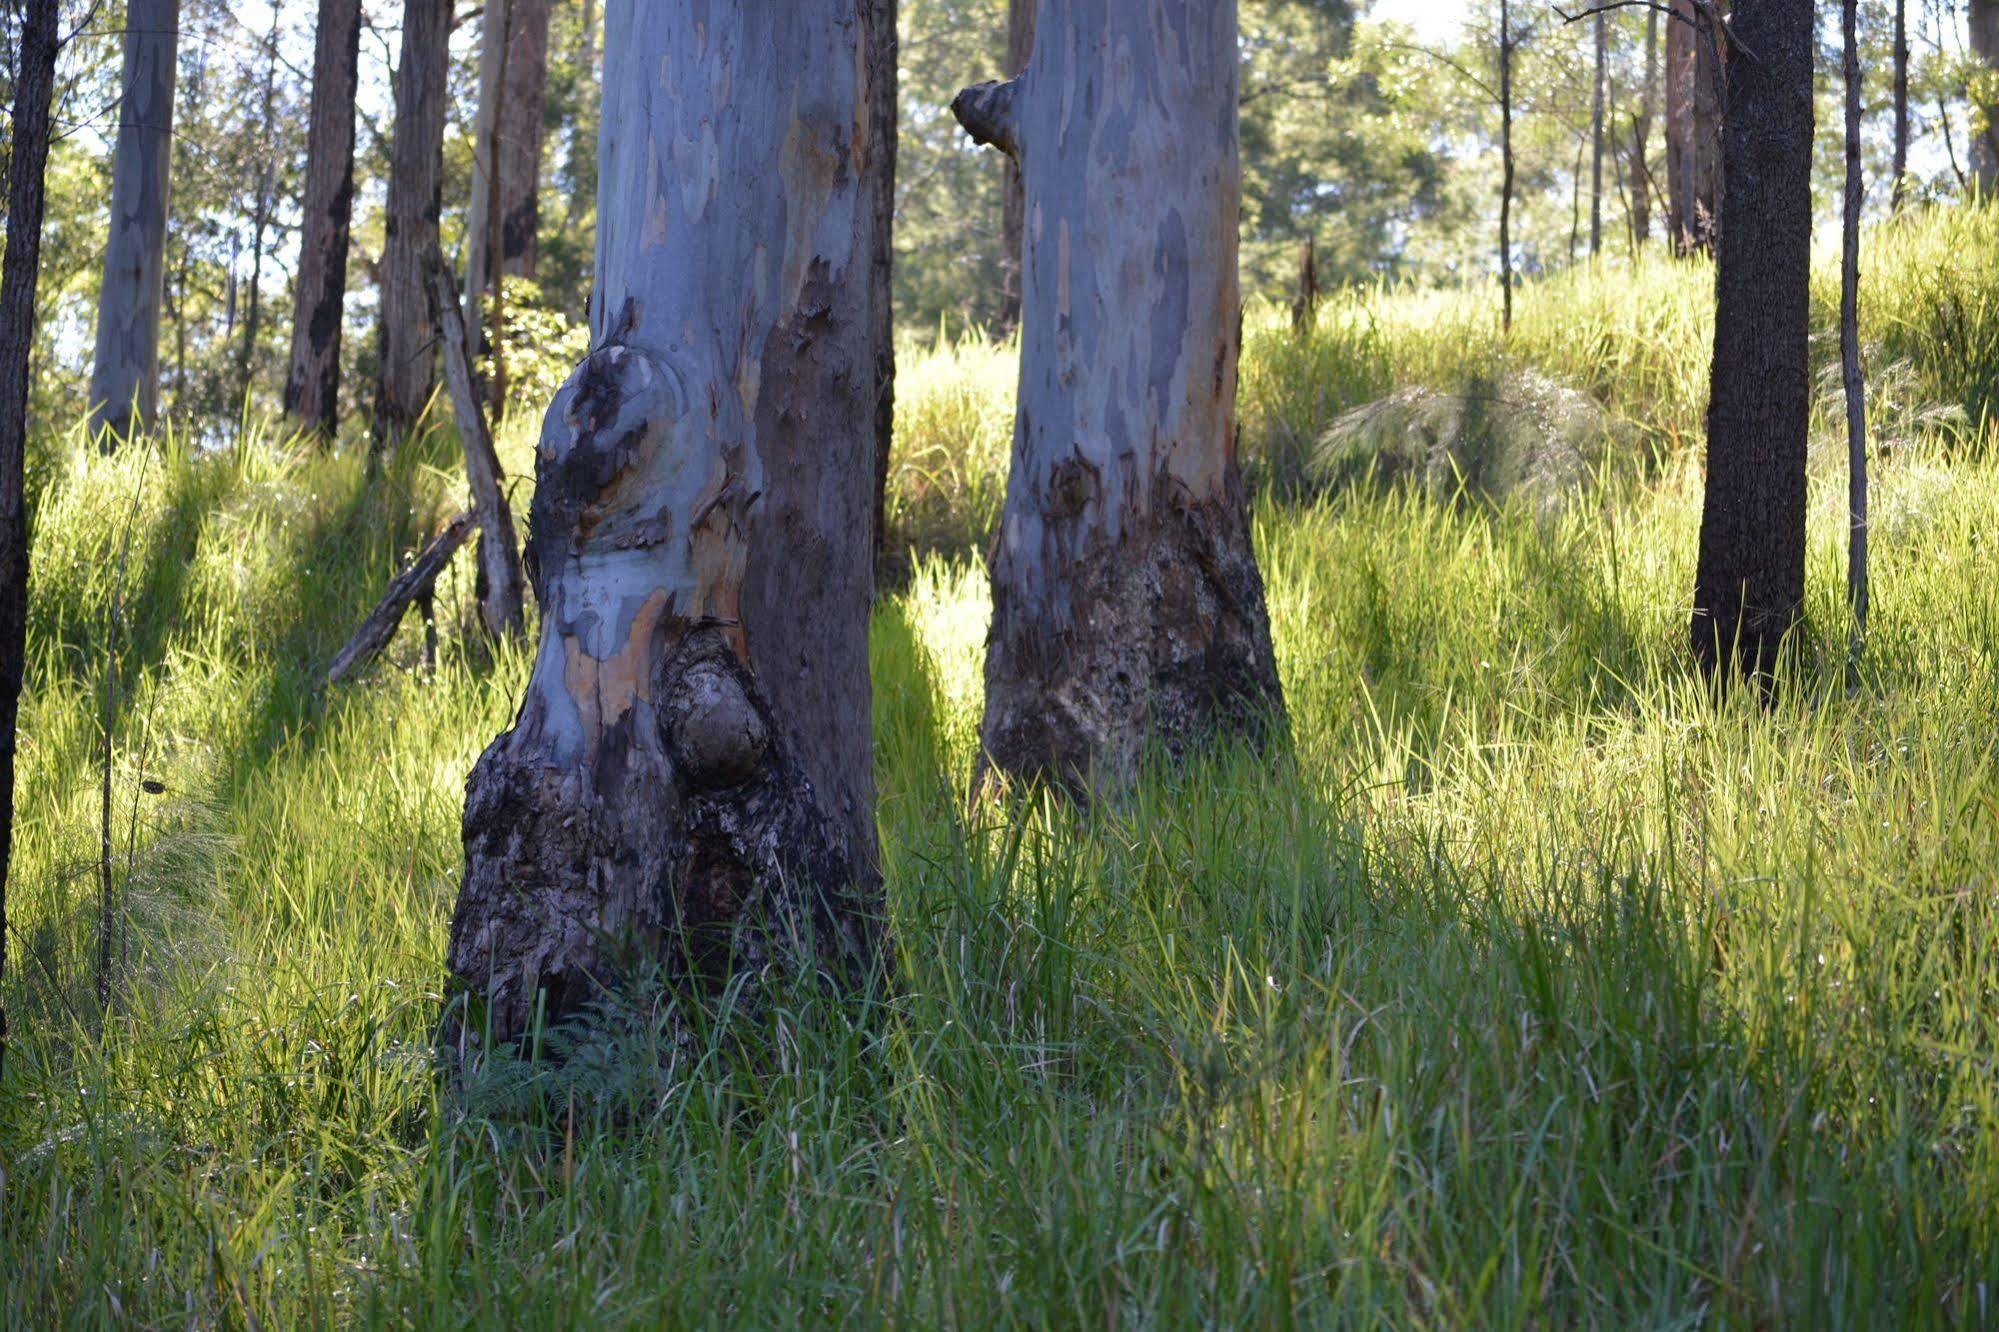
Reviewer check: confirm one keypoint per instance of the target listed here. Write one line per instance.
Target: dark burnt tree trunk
(688, 785)
(125, 383)
(1900, 192)
(34, 83)
(1750, 588)
(312, 379)
(1013, 222)
(1696, 60)
(1127, 604)
(518, 181)
(885, 131)
(416, 176)
(1985, 116)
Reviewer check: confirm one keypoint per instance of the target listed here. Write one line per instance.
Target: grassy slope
(1535, 987)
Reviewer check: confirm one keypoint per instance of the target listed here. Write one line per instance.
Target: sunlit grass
(1532, 986)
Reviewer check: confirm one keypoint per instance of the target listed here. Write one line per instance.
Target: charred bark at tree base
(1170, 647)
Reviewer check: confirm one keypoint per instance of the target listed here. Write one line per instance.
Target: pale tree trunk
(416, 176)
(1849, 339)
(1750, 588)
(482, 215)
(1696, 55)
(1127, 605)
(1599, 106)
(124, 386)
(1985, 115)
(688, 787)
(518, 179)
(312, 380)
(34, 84)
(1013, 222)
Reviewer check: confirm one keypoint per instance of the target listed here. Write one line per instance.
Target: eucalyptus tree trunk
(688, 787)
(1985, 115)
(482, 216)
(1127, 605)
(1900, 190)
(884, 128)
(1696, 57)
(125, 384)
(416, 176)
(1750, 588)
(34, 85)
(517, 182)
(1013, 219)
(312, 380)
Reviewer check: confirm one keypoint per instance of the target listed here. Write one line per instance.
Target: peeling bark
(416, 176)
(1127, 605)
(1750, 587)
(688, 786)
(125, 383)
(312, 383)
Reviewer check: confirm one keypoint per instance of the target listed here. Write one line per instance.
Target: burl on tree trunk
(688, 787)
(1127, 604)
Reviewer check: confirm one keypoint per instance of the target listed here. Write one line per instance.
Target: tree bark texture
(885, 132)
(125, 383)
(1127, 604)
(416, 182)
(518, 180)
(312, 380)
(688, 786)
(1696, 62)
(1985, 116)
(1013, 223)
(34, 85)
(1751, 582)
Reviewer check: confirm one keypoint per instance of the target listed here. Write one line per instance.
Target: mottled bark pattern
(312, 384)
(1751, 582)
(125, 384)
(689, 782)
(1696, 56)
(1127, 605)
(1985, 142)
(518, 180)
(416, 176)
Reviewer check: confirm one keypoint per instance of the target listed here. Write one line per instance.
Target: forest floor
(1531, 986)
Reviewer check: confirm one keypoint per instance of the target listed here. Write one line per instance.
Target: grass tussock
(1533, 986)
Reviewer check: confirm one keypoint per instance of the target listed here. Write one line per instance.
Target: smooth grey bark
(312, 379)
(482, 218)
(517, 182)
(1854, 373)
(1696, 56)
(20, 269)
(1013, 220)
(1127, 605)
(1750, 586)
(1985, 138)
(125, 381)
(688, 787)
(416, 179)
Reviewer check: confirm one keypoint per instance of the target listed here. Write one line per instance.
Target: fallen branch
(414, 584)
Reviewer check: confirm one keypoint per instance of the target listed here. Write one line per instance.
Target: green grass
(1533, 987)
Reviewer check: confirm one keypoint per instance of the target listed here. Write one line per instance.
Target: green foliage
(540, 346)
(1532, 987)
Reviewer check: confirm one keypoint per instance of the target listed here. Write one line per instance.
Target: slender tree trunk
(885, 132)
(1641, 136)
(1751, 583)
(1127, 604)
(1985, 115)
(1019, 48)
(125, 385)
(34, 84)
(518, 180)
(1695, 71)
(312, 380)
(1849, 337)
(482, 213)
(1506, 164)
(1305, 309)
(1901, 168)
(688, 786)
(416, 176)
(1599, 106)
(260, 224)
